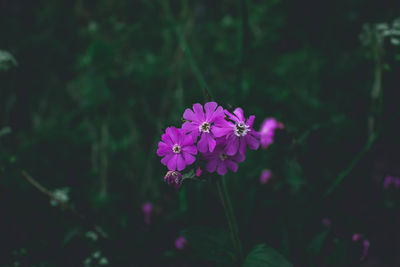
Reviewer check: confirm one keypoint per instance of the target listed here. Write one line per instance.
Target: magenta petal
(172, 163)
(188, 141)
(242, 145)
(173, 134)
(239, 113)
(232, 165)
(202, 144)
(210, 108)
(163, 149)
(252, 142)
(222, 169)
(189, 159)
(189, 115)
(181, 164)
(198, 110)
(166, 159)
(232, 145)
(167, 139)
(190, 126)
(221, 131)
(211, 166)
(217, 115)
(250, 120)
(239, 157)
(190, 149)
(211, 143)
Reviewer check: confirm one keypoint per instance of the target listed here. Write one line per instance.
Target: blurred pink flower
(267, 131)
(326, 222)
(389, 181)
(265, 176)
(180, 243)
(147, 208)
(199, 171)
(365, 244)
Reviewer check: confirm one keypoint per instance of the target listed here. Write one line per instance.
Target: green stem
(228, 209)
(354, 162)
(187, 52)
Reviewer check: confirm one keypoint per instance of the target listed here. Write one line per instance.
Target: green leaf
(265, 256)
(210, 244)
(7, 60)
(317, 242)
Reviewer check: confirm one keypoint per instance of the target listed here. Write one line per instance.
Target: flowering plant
(213, 137)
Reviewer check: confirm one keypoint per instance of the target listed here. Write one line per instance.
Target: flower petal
(211, 165)
(210, 108)
(222, 168)
(221, 131)
(181, 164)
(242, 145)
(239, 157)
(189, 159)
(232, 145)
(163, 149)
(202, 145)
(167, 139)
(190, 149)
(217, 115)
(231, 165)
(252, 142)
(189, 115)
(188, 140)
(250, 120)
(211, 142)
(239, 114)
(190, 126)
(173, 134)
(198, 110)
(172, 163)
(166, 159)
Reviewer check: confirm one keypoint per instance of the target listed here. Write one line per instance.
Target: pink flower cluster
(391, 181)
(220, 137)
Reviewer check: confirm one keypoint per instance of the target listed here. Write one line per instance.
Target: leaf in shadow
(265, 256)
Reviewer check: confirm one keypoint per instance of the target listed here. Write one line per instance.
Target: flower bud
(173, 178)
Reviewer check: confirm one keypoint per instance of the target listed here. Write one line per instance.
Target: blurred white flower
(60, 195)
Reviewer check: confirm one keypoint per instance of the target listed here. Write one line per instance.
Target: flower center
(223, 156)
(205, 127)
(241, 129)
(176, 149)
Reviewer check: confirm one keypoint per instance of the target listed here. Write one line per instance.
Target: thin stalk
(353, 163)
(228, 209)
(187, 52)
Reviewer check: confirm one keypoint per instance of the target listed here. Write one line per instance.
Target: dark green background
(98, 81)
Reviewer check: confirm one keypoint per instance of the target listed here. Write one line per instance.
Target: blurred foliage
(87, 87)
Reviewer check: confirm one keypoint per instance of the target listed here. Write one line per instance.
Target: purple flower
(388, 181)
(177, 149)
(238, 132)
(173, 178)
(147, 208)
(180, 243)
(220, 161)
(356, 237)
(265, 176)
(365, 249)
(326, 222)
(267, 131)
(202, 124)
(396, 182)
(365, 244)
(199, 171)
